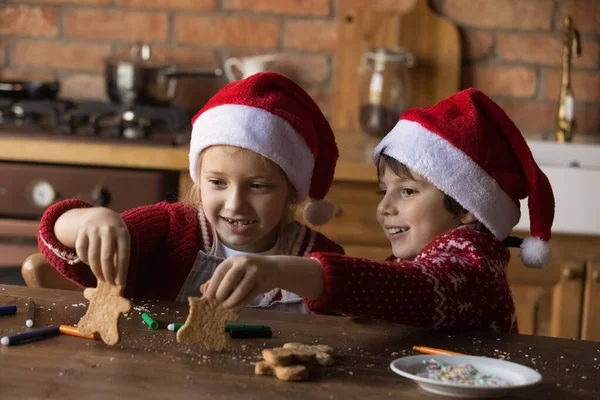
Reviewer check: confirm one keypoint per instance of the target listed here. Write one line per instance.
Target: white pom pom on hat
(535, 253)
(318, 212)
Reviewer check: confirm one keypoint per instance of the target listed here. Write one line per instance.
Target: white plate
(517, 375)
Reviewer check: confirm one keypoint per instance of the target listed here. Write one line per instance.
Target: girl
(258, 148)
(451, 177)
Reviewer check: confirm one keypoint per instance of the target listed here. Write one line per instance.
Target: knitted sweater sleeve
(61, 257)
(148, 227)
(458, 281)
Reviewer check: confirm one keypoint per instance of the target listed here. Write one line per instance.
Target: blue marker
(8, 310)
(31, 335)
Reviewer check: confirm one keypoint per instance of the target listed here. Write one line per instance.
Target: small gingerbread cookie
(102, 316)
(282, 357)
(206, 324)
(288, 373)
(323, 353)
(317, 348)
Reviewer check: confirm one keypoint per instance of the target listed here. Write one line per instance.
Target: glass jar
(385, 88)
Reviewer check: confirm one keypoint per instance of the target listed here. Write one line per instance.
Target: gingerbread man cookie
(323, 353)
(285, 373)
(288, 363)
(206, 324)
(102, 316)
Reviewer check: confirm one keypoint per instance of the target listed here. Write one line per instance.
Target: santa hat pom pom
(535, 253)
(318, 212)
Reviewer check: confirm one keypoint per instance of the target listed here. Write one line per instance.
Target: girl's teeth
(395, 230)
(237, 223)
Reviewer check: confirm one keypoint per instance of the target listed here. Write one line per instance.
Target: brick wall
(512, 48)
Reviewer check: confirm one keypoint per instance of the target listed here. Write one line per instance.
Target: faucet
(566, 118)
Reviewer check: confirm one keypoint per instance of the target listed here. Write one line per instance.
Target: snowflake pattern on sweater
(165, 240)
(458, 281)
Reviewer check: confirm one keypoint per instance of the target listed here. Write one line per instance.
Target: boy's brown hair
(401, 170)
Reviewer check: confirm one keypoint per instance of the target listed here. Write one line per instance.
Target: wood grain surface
(149, 364)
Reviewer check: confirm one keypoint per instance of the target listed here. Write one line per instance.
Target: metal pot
(138, 80)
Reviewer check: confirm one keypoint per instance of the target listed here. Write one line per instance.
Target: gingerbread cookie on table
(289, 363)
(296, 372)
(323, 353)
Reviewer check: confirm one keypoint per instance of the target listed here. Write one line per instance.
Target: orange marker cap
(71, 330)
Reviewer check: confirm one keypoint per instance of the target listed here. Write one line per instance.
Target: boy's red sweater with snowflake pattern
(458, 281)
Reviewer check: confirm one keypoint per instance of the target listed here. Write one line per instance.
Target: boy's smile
(244, 197)
(412, 213)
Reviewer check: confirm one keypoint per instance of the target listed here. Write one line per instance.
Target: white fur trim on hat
(535, 253)
(260, 131)
(318, 212)
(453, 172)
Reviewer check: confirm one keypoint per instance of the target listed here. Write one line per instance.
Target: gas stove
(95, 121)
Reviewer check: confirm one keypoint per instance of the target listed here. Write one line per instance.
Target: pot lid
(140, 55)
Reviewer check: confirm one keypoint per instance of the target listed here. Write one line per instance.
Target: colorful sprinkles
(464, 374)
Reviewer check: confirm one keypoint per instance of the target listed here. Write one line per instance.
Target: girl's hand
(103, 243)
(241, 278)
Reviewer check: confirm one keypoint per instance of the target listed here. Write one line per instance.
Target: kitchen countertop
(151, 364)
(353, 164)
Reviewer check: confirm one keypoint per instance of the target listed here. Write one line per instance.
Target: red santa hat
(271, 115)
(469, 148)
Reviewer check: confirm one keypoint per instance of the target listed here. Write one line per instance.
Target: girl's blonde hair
(193, 198)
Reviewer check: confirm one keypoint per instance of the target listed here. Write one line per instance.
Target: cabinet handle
(596, 276)
(569, 274)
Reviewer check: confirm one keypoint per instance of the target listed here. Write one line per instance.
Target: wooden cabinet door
(590, 327)
(354, 225)
(355, 222)
(17, 241)
(548, 301)
(567, 300)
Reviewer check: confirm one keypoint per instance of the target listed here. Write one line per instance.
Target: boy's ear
(467, 218)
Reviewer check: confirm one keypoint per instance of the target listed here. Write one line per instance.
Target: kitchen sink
(554, 154)
(574, 173)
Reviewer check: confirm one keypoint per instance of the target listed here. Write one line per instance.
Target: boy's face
(412, 213)
(244, 197)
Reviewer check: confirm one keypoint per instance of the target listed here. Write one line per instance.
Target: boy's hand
(241, 278)
(103, 243)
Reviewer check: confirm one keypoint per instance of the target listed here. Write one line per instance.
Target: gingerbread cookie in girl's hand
(102, 316)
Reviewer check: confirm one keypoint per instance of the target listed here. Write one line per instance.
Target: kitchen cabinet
(562, 300)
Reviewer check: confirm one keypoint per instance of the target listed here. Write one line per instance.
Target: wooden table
(151, 364)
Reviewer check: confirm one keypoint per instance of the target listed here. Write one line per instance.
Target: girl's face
(244, 197)
(412, 213)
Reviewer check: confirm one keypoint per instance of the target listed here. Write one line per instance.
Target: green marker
(174, 327)
(236, 330)
(149, 321)
(246, 327)
(264, 332)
